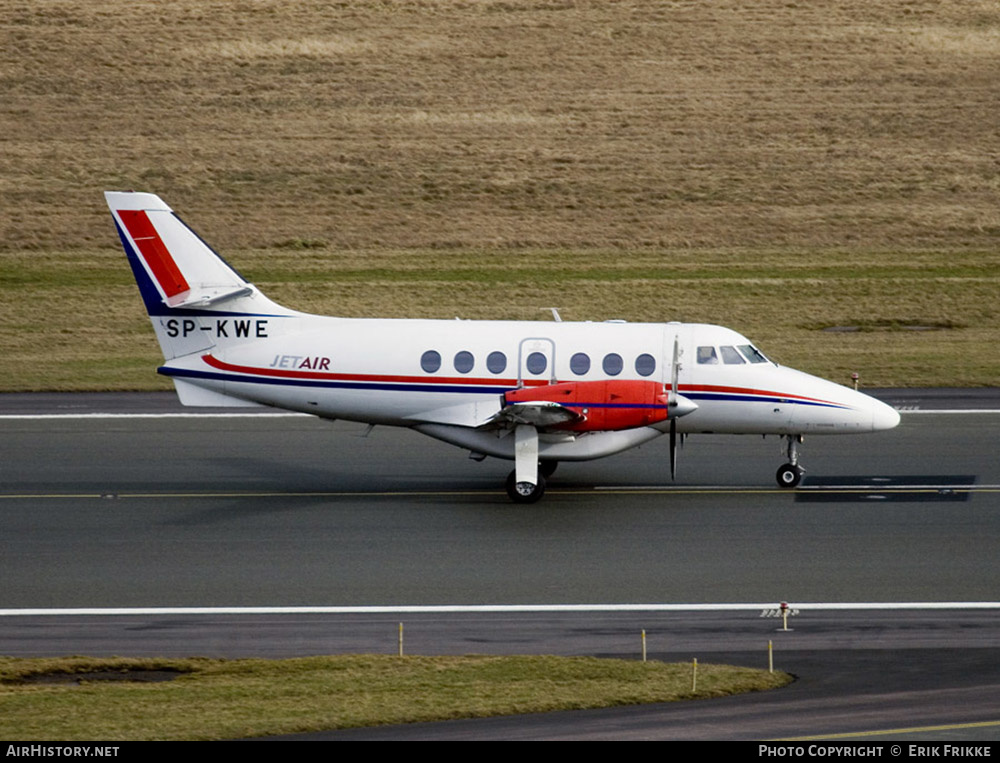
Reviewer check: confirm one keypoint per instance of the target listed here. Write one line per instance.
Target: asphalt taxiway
(159, 511)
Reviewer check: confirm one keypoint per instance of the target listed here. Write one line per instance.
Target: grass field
(781, 168)
(229, 699)
(919, 321)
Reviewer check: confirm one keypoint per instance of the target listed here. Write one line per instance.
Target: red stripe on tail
(165, 270)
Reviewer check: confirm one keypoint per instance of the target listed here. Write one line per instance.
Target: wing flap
(538, 413)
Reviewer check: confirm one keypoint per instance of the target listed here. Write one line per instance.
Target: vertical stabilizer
(194, 298)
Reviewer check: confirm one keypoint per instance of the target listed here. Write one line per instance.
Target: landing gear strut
(791, 473)
(526, 484)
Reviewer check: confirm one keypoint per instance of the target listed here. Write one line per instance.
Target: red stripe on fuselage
(720, 389)
(165, 270)
(288, 373)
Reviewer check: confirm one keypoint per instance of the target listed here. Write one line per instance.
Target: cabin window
(752, 353)
(645, 364)
(536, 363)
(496, 362)
(464, 362)
(730, 356)
(579, 363)
(613, 364)
(707, 356)
(430, 361)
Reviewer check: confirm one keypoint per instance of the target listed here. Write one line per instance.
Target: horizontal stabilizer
(207, 297)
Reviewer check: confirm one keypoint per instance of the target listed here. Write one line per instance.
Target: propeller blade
(672, 402)
(673, 449)
(674, 368)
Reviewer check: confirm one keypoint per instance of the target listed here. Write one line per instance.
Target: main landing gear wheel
(524, 492)
(789, 475)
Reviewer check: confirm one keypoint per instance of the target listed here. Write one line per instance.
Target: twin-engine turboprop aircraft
(536, 393)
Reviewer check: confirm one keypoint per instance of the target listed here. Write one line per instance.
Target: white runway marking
(44, 416)
(493, 608)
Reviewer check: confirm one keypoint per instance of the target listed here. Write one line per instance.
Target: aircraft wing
(539, 413)
(470, 415)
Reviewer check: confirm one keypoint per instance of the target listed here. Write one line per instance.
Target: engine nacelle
(602, 405)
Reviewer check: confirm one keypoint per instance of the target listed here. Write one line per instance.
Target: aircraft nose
(883, 416)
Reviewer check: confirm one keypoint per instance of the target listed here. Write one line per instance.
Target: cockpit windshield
(752, 354)
(730, 355)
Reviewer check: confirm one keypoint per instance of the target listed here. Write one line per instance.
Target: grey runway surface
(286, 511)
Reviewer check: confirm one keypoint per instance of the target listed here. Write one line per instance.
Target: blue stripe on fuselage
(722, 397)
(390, 386)
(460, 389)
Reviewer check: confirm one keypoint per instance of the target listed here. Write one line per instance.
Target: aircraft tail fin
(185, 285)
(173, 266)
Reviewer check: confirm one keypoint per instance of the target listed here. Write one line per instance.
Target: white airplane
(533, 392)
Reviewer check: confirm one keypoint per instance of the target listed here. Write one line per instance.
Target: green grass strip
(228, 699)
(73, 320)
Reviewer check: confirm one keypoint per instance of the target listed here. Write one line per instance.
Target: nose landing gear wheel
(789, 475)
(524, 492)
